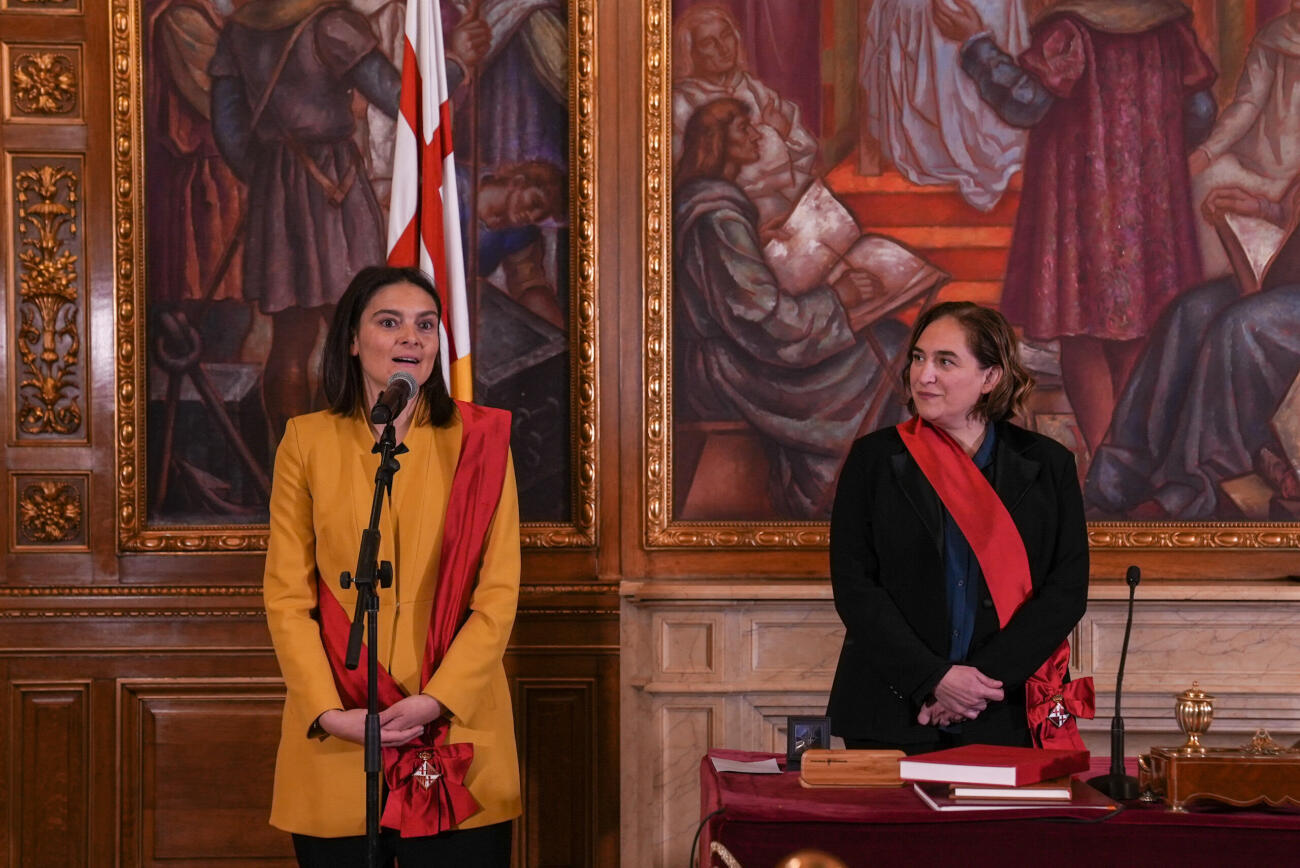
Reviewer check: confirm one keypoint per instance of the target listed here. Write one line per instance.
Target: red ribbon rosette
(426, 787)
(1045, 690)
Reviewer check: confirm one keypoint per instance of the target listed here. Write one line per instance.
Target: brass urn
(1194, 710)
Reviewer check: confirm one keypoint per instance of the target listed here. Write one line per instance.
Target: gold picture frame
(1176, 549)
(134, 531)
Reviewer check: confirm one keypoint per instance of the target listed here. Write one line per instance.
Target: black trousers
(943, 739)
(487, 846)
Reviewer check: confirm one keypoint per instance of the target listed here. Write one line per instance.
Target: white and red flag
(424, 214)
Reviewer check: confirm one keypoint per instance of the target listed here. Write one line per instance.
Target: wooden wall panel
(49, 747)
(565, 695)
(197, 762)
(559, 724)
(142, 726)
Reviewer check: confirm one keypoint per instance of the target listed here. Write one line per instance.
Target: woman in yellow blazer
(387, 321)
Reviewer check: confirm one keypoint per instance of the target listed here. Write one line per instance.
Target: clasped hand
(962, 694)
(398, 723)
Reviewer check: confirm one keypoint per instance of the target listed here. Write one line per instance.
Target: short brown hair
(704, 142)
(542, 174)
(993, 343)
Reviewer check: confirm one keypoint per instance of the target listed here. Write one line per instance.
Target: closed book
(1056, 789)
(993, 764)
(1084, 800)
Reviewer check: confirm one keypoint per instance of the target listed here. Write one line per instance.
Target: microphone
(1118, 785)
(399, 391)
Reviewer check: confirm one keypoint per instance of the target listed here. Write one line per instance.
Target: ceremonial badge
(425, 773)
(1058, 715)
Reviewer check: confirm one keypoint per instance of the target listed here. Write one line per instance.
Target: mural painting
(1117, 177)
(269, 129)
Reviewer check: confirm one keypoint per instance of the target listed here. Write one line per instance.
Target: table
(764, 818)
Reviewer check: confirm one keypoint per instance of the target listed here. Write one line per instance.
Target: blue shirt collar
(984, 455)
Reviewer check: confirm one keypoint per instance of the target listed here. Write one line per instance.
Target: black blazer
(888, 578)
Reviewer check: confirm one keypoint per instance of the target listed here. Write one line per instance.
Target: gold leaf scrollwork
(50, 512)
(48, 342)
(44, 83)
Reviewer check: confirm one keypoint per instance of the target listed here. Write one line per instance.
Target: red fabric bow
(418, 810)
(1044, 689)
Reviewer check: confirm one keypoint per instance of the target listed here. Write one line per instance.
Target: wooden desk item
(850, 768)
(1261, 772)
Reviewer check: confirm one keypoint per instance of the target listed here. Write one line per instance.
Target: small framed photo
(802, 733)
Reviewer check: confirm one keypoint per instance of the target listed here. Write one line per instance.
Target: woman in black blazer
(935, 654)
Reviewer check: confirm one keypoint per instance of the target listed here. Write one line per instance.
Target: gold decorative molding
(130, 602)
(134, 532)
(44, 5)
(112, 591)
(128, 261)
(594, 588)
(657, 353)
(154, 614)
(49, 343)
(49, 512)
(1179, 536)
(583, 353)
(42, 82)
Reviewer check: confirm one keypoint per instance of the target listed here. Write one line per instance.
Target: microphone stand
(368, 573)
(1117, 784)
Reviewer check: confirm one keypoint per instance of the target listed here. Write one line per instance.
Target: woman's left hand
(932, 714)
(410, 714)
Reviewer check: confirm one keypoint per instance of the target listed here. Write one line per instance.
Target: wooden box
(1236, 776)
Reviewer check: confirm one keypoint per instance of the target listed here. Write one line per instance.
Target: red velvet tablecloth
(763, 818)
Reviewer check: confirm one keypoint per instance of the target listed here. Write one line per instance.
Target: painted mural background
(268, 132)
(834, 168)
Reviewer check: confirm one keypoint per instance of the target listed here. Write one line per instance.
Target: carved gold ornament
(44, 83)
(47, 216)
(50, 512)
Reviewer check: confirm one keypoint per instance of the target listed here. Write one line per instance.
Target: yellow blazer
(320, 503)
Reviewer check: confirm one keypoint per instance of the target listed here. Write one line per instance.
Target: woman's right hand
(932, 715)
(966, 692)
(350, 725)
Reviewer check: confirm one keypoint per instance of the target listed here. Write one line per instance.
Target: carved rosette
(50, 512)
(49, 343)
(43, 83)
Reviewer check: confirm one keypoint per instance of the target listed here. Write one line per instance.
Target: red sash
(413, 807)
(1051, 703)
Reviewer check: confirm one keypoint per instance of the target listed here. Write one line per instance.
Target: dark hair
(341, 371)
(704, 141)
(993, 343)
